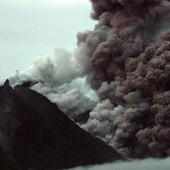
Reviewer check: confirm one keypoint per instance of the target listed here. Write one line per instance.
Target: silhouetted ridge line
(37, 135)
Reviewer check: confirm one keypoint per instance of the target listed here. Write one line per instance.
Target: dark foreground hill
(35, 134)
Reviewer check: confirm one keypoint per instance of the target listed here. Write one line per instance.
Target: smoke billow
(129, 52)
(61, 80)
(126, 60)
(124, 30)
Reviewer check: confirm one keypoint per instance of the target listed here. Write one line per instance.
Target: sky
(31, 28)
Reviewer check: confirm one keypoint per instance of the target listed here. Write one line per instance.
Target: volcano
(35, 134)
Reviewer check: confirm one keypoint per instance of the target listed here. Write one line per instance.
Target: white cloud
(148, 164)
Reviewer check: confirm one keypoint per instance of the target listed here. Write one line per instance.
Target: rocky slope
(37, 135)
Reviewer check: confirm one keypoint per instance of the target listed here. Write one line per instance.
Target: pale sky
(30, 28)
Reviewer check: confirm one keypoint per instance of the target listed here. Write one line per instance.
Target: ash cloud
(124, 30)
(129, 54)
(126, 60)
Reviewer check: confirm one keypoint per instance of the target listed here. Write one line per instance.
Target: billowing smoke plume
(126, 60)
(129, 52)
(125, 29)
(61, 80)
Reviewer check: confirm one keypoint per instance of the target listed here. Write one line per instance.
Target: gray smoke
(129, 52)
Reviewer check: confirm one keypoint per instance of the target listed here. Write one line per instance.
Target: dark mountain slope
(5, 162)
(37, 135)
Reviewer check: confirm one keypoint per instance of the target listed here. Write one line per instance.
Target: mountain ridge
(38, 135)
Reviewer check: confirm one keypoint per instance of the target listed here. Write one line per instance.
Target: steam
(72, 102)
(63, 68)
(62, 80)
